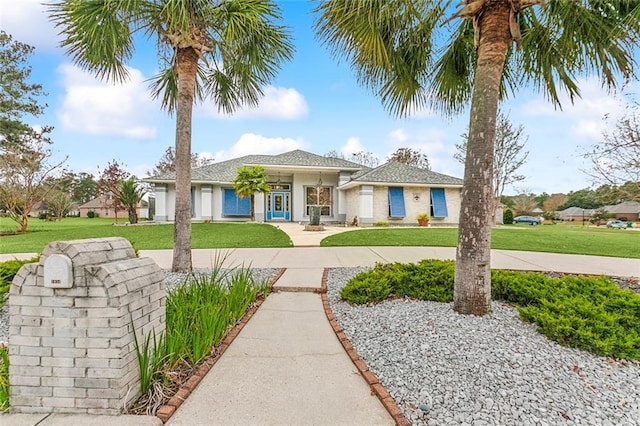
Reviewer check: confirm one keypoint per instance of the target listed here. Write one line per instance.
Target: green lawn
(147, 237)
(548, 238)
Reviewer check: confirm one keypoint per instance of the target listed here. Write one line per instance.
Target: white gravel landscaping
(443, 368)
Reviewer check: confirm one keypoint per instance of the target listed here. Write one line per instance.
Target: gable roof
(400, 173)
(226, 171)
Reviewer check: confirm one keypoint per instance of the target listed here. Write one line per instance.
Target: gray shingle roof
(394, 172)
(226, 171)
(624, 207)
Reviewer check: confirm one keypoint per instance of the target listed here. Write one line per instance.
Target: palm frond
(389, 44)
(248, 51)
(97, 34)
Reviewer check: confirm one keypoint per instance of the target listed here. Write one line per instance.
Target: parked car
(527, 219)
(616, 224)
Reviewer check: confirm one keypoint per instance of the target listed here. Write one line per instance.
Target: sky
(314, 104)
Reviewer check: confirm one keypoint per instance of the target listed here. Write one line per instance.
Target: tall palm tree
(248, 182)
(417, 53)
(219, 50)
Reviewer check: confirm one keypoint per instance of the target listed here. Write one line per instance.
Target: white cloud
(585, 117)
(27, 21)
(279, 103)
(250, 143)
(106, 109)
(352, 146)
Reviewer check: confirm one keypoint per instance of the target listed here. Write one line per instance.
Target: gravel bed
(443, 368)
(172, 279)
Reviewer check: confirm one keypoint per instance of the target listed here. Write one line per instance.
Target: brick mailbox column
(71, 344)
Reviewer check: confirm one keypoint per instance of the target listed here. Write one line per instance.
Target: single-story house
(103, 206)
(628, 210)
(393, 192)
(575, 214)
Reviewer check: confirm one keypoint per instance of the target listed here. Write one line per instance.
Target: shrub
(590, 313)
(8, 270)
(91, 214)
(507, 217)
(381, 224)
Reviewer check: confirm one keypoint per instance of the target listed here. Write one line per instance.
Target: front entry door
(278, 206)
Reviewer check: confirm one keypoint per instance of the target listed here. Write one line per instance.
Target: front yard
(566, 239)
(143, 237)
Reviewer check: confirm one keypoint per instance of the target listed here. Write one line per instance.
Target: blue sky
(315, 104)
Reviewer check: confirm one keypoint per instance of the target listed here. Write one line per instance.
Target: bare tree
(24, 172)
(58, 204)
(524, 203)
(364, 158)
(167, 162)
(554, 201)
(109, 185)
(509, 155)
(414, 157)
(616, 159)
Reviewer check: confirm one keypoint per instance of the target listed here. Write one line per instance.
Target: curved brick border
(376, 388)
(166, 411)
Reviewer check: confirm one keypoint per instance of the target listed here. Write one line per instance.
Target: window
(438, 203)
(235, 206)
(318, 196)
(396, 202)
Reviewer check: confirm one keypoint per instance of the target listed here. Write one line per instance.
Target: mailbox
(58, 271)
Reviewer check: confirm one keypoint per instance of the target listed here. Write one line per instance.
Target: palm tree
(221, 50)
(393, 48)
(130, 195)
(250, 181)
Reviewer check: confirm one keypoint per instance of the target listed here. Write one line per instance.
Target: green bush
(507, 217)
(91, 214)
(427, 280)
(8, 270)
(590, 313)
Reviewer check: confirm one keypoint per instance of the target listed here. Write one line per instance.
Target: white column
(161, 202)
(366, 205)
(207, 202)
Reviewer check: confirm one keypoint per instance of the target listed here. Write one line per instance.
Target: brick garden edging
(165, 411)
(371, 379)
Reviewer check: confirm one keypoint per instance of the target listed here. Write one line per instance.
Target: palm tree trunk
(186, 63)
(472, 288)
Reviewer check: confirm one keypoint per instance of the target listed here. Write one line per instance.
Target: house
(103, 206)
(393, 192)
(628, 210)
(575, 214)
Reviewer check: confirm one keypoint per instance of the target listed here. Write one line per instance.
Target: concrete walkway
(335, 257)
(285, 367)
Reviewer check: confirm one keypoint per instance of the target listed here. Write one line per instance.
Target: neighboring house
(103, 205)
(628, 210)
(39, 207)
(575, 214)
(392, 192)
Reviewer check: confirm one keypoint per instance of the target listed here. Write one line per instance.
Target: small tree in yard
(129, 196)
(507, 217)
(251, 180)
(109, 185)
(24, 170)
(58, 204)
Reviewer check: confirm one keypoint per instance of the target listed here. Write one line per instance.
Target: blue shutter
(396, 202)
(234, 205)
(244, 206)
(438, 202)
